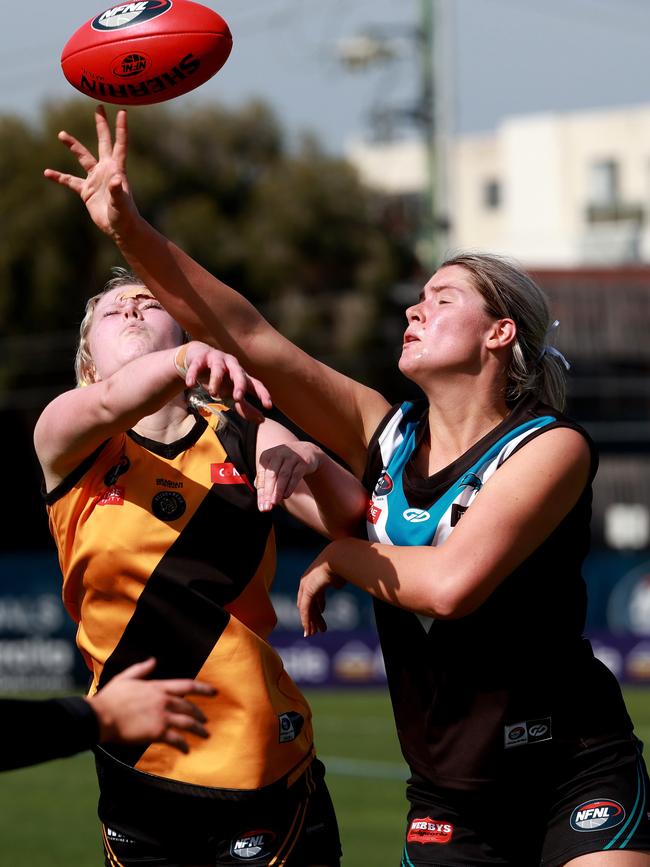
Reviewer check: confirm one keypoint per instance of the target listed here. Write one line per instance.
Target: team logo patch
(168, 505)
(227, 474)
(112, 497)
(597, 815)
(384, 484)
(252, 844)
(416, 516)
(118, 470)
(429, 830)
(470, 480)
(291, 724)
(373, 513)
(129, 14)
(529, 732)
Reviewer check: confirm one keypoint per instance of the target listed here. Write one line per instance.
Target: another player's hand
(222, 375)
(105, 189)
(133, 710)
(281, 468)
(311, 593)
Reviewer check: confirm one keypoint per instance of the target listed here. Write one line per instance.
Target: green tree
(293, 229)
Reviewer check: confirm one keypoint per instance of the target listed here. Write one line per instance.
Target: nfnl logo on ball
(128, 14)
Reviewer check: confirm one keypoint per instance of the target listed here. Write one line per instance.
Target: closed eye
(152, 304)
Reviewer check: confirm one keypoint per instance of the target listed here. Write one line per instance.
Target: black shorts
(576, 802)
(290, 827)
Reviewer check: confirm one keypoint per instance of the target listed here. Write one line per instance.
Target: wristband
(179, 361)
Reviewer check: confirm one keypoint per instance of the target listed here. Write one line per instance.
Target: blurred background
(343, 150)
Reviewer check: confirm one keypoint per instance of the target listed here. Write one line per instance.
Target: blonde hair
(509, 292)
(84, 365)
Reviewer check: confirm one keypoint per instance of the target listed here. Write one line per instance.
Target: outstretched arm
(512, 515)
(333, 408)
(75, 423)
(314, 488)
(128, 710)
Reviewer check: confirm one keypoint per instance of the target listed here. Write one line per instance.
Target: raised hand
(221, 375)
(133, 710)
(281, 468)
(105, 188)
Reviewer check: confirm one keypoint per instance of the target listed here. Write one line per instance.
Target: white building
(552, 190)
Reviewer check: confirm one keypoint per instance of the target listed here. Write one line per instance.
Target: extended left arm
(512, 515)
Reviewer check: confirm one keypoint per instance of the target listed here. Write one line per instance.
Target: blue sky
(500, 57)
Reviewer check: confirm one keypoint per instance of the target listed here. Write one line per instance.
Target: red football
(147, 51)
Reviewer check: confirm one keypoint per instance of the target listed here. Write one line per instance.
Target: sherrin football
(146, 52)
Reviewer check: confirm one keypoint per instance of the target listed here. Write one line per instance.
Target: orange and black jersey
(164, 553)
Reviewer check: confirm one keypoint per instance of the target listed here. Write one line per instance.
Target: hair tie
(551, 350)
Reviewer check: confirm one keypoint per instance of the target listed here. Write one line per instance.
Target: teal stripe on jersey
(402, 532)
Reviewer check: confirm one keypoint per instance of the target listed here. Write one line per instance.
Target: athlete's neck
(168, 424)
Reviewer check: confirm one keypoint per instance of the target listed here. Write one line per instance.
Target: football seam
(65, 57)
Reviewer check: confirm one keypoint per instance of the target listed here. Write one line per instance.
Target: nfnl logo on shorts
(428, 830)
(227, 474)
(529, 732)
(112, 497)
(597, 816)
(253, 844)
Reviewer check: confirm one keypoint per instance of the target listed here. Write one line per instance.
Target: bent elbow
(448, 603)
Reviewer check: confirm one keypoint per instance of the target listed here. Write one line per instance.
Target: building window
(491, 194)
(604, 183)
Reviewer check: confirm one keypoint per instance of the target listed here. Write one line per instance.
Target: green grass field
(48, 818)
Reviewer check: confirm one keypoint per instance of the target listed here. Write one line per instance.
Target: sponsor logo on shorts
(227, 474)
(416, 516)
(429, 830)
(128, 65)
(118, 470)
(118, 837)
(529, 732)
(597, 815)
(112, 497)
(252, 844)
(384, 484)
(129, 14)
(168, 505)
(291, 724)
(373, 513)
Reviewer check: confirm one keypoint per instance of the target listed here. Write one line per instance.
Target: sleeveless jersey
(515, 672)
(164, 553)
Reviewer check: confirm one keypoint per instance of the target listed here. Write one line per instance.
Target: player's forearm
(207, 308)
(341, 499)
(139, 388)
(410, 577)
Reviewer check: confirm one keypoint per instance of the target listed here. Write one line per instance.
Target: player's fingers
(192, 375)
(174, 739)
(185, 686)
(248, 411)
(219, 374)
(258, 388)
(121, 147)
(137, 670)
(70, 181)
(177, 704)
(85, 158)
(186, 724)
(104, 137)
(238, 377)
